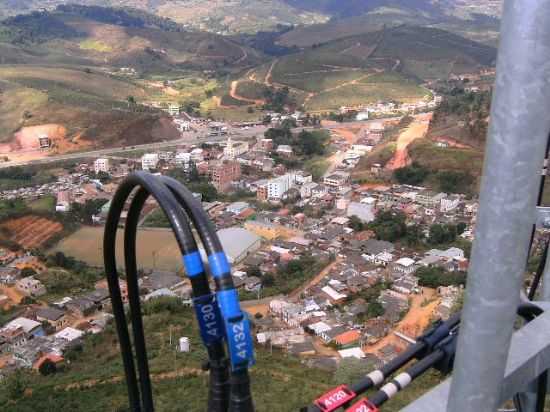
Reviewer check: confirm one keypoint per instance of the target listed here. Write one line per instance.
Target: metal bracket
(542, 219)
(529, 356)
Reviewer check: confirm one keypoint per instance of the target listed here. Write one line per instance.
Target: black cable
(218, 365)
(183, 236)
(540, 269)
(539, 272)
(241, 397)
(424, 345)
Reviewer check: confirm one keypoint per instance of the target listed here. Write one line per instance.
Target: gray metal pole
(520, 122)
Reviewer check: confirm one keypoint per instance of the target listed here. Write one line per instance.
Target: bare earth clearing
(416, 130)
(32, 231)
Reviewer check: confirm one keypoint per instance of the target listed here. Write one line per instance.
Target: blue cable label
(219, 265)
(193, 264)
(209, 318)
(237, 330)
(239, 341)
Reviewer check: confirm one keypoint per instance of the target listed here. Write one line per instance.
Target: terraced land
(31, 231)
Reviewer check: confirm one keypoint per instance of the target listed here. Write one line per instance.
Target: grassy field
(43, 204)
(365, 93)
(15, 102)
(429, 155)
(156, 248)
(251, 90)
(79, 81)
(322, 80)
(96, 45)
(94, 380)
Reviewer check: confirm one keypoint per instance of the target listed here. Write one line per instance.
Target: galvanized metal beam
(515, 152)
(529, 357)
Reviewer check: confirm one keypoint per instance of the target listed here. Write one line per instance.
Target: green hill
(479, 27)
(80, 35)
(388, 64)
(237, 16)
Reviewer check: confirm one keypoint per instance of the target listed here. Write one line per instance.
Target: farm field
(77, 80)
(31, 231)
(157, 248)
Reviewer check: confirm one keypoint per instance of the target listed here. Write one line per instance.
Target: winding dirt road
(416, 130)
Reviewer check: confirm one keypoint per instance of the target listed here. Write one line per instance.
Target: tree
(47, 368)
(442, 234)
(411, 175)
(375, 309)
(433, 277)
(254, 271)
(268, 280)
(414, 236)
(389, 225)
(131, 101)
(356, 224)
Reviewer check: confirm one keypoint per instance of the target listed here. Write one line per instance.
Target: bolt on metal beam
(515, 152)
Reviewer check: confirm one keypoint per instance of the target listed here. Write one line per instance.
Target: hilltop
(73, 72)
(250, 16)
(478, 27)
(238, 16)
(384, 65)
(98, 36)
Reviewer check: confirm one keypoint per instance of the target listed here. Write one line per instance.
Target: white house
(149, 161)
(63, 203)
(364, 212)
(306, 189)
(234, 149)
(449, 203)
(277, 187)
(182, 159)
(102, 165)
(405, 265)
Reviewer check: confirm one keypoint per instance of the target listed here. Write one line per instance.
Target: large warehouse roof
(237, 241)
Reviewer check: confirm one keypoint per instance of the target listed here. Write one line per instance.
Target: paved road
(189, 138)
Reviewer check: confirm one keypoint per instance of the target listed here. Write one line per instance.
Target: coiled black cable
(149, 185)
(240, 397)
(218, 364)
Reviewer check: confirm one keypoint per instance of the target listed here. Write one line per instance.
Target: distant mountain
(220, 16)
(95, 35)
(347, 8)
(250, 16)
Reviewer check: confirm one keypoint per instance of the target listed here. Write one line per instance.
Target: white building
(405, 265)
(63, 203)
(449, 203)
(182, 125)
(337, 179)
(284, 149)
(277, 187)
(182, 159)
(303, 177)
(234, 149)
(362, 116)
(305, 190)
(149, 161)
(197, 155)
(363, 211)
(173, 109)
(69, 334)
(102, 165)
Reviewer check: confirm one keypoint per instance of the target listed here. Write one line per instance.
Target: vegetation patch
(95, 45)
